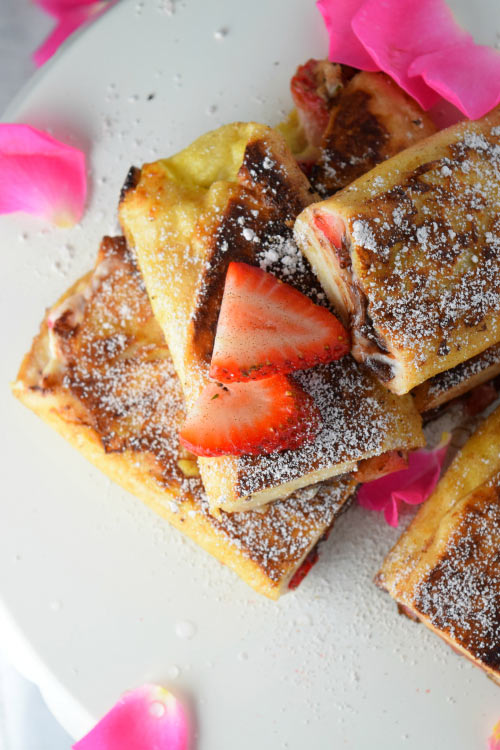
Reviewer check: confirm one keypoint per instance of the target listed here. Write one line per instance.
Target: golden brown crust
(233, 196)
(371, 120)
(101, 375)
(445, 569)
(422, 237)
(453, 383)
(360, 420)
(474, 464)
(190, 215)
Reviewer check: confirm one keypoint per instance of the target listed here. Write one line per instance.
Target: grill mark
(265, 202)
(352, 144)
(131, 182)
(272, 182)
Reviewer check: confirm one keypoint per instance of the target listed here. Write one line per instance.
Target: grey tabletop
(25, 722)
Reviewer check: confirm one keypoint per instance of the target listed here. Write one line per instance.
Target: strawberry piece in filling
(315, 88)
(301, 572)
(267, 327)
(250, 418)
(332, 228)
(312, 108)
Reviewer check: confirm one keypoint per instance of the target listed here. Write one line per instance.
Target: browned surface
(423, 234)
(445, 569)
(265, 202)
(117, 365)
(460, 595)
(370, 120)
(459, 380)
(442, 229)
(241, 216)
(187, 224)
(113, 392)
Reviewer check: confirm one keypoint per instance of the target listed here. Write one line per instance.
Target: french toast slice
(233, 195)
(445, 569)
(461, 379)
(409, 254)
(100, 373)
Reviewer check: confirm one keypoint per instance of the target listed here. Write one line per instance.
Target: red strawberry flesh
(250, 418)
(301, 572)
(267, 327)
(333, 229)
(312, 108)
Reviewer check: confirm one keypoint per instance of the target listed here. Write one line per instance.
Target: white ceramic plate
(95, 589)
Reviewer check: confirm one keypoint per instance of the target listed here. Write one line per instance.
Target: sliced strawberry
(258, 417)
(266, 327)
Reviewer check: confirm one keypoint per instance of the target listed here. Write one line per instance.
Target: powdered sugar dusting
(252, 223)
(363, 235)
(357, 421)
(286, 531)
(449, 379)
(281, 251)
(461, 593)
(119, 370)
(429, 252)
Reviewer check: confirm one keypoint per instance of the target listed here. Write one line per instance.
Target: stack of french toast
(284, 309)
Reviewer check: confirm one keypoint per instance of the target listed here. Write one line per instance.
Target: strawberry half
(267, 327)
(259, 417)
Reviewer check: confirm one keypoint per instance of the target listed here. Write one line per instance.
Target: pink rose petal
(65, 27)
(391, 512)
(412, 485)
(148, 718)
(40, 175)
(345, 47)
(70, 16)
(421, 46)
(395, 32)
(58, 8)
(467, 75)
(494, 740)
(444, 114)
